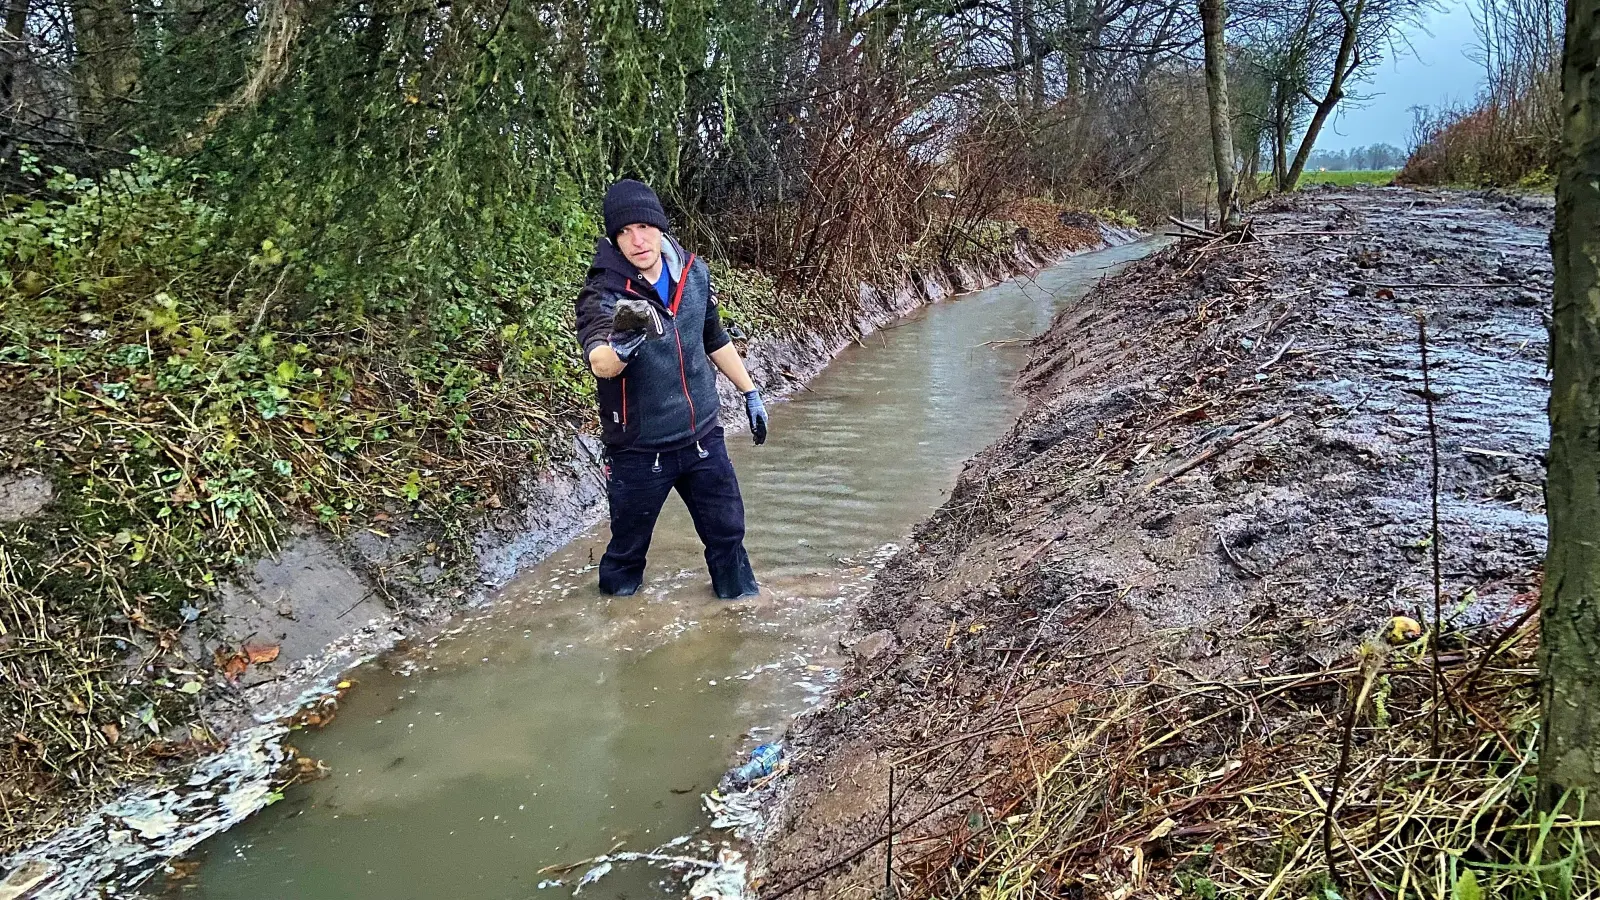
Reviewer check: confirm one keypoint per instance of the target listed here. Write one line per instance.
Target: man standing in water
(650, 330)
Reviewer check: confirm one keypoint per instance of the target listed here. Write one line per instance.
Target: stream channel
(555, 724)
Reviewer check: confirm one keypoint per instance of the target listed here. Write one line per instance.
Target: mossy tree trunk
(1077, 27)
(1213, 16)
(1569, 757)
(107, 63)
(14, 51)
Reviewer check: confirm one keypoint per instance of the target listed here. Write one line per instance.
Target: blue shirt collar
(663, 287)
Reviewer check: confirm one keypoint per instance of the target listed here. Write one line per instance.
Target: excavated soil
(1223, 472)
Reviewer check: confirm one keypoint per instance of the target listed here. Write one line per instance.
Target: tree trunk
(13, 55)
(1018, 58)
(107, 63)
(1094, 28)
(1213, 14)
(1077, 27)
(1030, 25)
(1344, 64)
(1569, 755)
(1280, 144)
(1252, 167)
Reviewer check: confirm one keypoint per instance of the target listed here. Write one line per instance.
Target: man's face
(641, 244)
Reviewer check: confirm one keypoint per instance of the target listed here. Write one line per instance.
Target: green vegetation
(269, 262)
(182, 434)
(1510, 135)
(1118, 217)
(1348, 178)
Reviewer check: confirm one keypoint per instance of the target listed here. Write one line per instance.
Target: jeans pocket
(627, 468)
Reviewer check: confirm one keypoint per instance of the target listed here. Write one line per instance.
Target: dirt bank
(1222, 477)
(321, 604)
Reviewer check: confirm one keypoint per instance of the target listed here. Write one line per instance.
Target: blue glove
(758, 416)
(626, 344)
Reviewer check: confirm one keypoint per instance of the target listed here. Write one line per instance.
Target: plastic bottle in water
(763, 760)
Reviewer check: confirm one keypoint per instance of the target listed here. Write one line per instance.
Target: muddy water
(557, 724)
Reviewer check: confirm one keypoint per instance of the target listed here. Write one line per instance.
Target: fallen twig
(1374, 665)
(1305, 233)
(1433, 490)
(1180, 414)
(1277, 323)
(1238, 563)
(1195, 230)
(1217, 449)
(1276, 356)
(855, 854)
(1466, 682)
(1034, 554)
(1434, 284)
(1039, 632)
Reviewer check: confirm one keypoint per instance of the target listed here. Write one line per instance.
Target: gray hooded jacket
(666, 398)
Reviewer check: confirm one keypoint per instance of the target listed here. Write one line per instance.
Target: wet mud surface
(1222, 472)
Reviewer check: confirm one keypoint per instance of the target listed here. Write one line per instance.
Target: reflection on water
(557, 724)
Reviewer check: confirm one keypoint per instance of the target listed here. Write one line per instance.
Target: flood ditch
(555, 725)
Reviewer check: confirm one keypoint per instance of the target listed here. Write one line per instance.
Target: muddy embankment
(1222, 473)
(324, 605)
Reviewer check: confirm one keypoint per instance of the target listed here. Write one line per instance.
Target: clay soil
(1223, 473)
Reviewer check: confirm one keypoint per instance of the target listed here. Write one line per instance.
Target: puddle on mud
(557, 724)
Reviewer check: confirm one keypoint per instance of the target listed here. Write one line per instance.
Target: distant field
(1356, 176)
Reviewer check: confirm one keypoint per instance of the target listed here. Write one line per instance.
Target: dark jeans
(637, 485)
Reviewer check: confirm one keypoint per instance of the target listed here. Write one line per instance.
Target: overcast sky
(1434, 71)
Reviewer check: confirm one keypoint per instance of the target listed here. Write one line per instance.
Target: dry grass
(1184, 788)
(1511, 134)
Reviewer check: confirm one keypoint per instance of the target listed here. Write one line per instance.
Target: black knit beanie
(628, 202)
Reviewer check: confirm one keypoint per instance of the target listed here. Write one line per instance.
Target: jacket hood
(614, 271)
